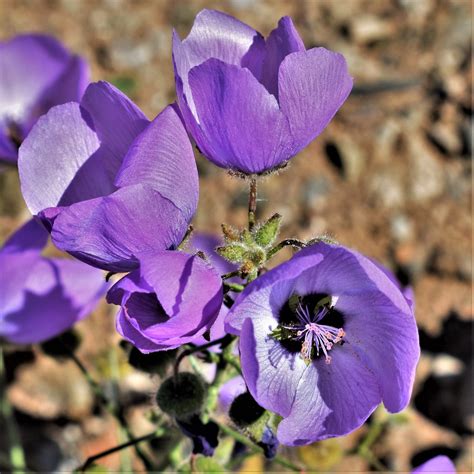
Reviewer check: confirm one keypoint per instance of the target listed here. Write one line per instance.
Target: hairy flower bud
(182, 395)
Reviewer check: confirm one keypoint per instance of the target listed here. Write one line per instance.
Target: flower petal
(58, 162)
(162, 157)
(385, 340)
(320, 409)
(216, 35)
(283, 40)
(29, 64)
(436, 465)
(82, 147)
(241, 125)
(69, 87)
(57, 294)
(109, 232)
(188, 289)
(272, 374)
(31, 236)
(116, 120)
(312, 86)
(8, 152)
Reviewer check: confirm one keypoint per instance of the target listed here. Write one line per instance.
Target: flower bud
(182, 395)
(245, 410)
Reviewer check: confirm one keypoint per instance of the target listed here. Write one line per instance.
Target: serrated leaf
(235, 253)
(266, 234)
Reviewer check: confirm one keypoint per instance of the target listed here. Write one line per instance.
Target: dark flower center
(310, 325)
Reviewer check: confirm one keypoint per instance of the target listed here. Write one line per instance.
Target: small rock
(368, 28)
(426, 172)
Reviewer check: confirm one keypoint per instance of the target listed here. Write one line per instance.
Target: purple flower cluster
(324, 337)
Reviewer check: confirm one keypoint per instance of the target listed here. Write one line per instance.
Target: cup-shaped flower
(251, 104)
(173, 299)
(207, 244)
(106, 181)
(436, 465)
(42, 297)
(36, 73)
(324, 338)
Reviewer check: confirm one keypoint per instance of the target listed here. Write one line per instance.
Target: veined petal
(312, 87)
(272, 374)
(162, 158)
(109, 232)
(283, 40)
(386, 341)
(116, 120)
(58, 162)
(188, 289)
(216, 35)
(241, 123)
(74, 152)
(321, 409)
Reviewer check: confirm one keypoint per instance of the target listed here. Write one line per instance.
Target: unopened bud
(182, 395)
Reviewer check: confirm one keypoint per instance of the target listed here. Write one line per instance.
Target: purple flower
(173, 299)
(251, 104)
(436, 465)
(36, 73)
(324, 338)
(107, 182)
(42, 297)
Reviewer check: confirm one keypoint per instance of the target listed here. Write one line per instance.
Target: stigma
(316, 339)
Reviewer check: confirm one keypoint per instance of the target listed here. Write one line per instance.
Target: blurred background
(390, 177)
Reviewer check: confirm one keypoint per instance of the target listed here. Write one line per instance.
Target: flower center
(306, 328)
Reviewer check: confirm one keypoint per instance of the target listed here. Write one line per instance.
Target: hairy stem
(256, 449)
(252, 202)
(285, 243)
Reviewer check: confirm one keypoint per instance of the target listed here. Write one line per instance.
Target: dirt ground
(390, 177)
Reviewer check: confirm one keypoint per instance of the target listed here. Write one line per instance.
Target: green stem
(285, 243)
(252, 202)
(233, 287)
(364, 449)
(226, 276)
(219, 378)
(254, 448)
(17, 456)
(132, 442)
(224, 341)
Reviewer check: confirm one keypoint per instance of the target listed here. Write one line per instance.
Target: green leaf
(266, 234)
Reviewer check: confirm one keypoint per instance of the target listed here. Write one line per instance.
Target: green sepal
(231, 234)
(235, 253)
(266, 234)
